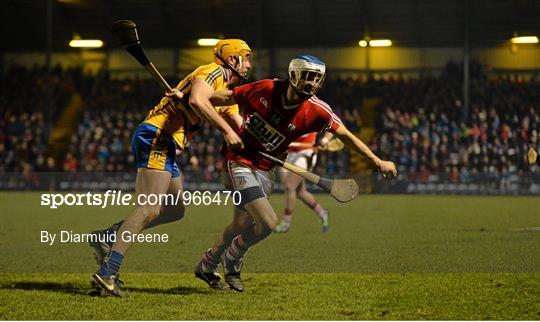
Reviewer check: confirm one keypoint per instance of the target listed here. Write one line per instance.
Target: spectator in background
(421, 125)
(421, 119)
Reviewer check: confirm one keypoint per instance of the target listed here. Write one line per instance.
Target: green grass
(385, 257)
(288, 296)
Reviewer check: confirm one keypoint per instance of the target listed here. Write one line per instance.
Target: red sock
(287, 216)
(237, 250)
(209, 261)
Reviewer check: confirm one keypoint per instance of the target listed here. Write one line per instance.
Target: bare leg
(291, 183)
(171, 212)
(247, 229)
(254, 227)
(206, 268)
(307, 197)
(168, 213)
(265, 221)
(149, 181)
(241, 221)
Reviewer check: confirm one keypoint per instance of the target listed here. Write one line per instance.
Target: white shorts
(304, 159)
(251, 183)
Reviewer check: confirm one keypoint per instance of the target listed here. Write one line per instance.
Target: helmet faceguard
(306, 74)
(239, 50)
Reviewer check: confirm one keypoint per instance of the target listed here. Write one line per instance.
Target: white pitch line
(528, 229)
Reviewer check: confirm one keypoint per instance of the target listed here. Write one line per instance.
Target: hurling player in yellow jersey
(156, 141)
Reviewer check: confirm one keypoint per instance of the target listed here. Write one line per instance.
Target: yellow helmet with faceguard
(236, 48)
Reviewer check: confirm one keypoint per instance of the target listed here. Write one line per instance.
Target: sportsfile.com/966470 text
(119, 198)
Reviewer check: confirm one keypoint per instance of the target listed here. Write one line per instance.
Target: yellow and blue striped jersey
(170, 118)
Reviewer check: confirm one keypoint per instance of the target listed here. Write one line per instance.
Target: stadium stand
(419, 123)
(422, 126)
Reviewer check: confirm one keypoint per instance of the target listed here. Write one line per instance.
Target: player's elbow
(195, 102)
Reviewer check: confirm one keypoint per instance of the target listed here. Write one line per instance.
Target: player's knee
(179, 213)
(173, 213)
(176, 214)
(239, 225)
(268, 224)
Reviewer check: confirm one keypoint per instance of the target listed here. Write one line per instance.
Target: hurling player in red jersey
(303, 154)
(275, 113)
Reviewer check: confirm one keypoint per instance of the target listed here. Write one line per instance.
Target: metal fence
(478, 184)
(438, 183)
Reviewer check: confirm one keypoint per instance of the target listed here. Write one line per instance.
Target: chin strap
(242, 78)
(300, 94)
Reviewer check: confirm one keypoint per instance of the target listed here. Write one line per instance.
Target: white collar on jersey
(225, 74)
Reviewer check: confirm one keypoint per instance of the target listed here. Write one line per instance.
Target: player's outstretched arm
(225, 97)
(199, 99)
(354, 143)
(324, 140)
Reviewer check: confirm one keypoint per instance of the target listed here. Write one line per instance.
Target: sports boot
(232, 273)
(110, 284)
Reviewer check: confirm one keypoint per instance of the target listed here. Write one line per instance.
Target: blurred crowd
(102, 140)
(28, 106)
(422, 125)
(424, 129)
(113, 110)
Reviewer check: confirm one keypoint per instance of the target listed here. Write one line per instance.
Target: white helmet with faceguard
(306, 74)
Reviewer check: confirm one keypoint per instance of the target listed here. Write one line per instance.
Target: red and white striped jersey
(269, 126)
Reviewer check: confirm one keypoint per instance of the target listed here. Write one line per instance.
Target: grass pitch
(385, 257)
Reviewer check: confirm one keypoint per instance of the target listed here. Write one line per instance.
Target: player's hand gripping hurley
(125, 34)
(343, 190)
